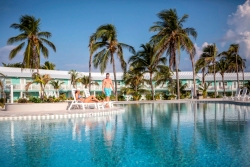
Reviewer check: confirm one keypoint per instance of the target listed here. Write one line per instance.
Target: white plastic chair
(87, 94)
(244, 94)
(237, 94)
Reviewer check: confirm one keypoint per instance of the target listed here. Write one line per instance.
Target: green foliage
(149, 96)
(228, 93)
(35, 100)
(169, 97)
(2, 102)
(136, 96)
(50, 100)
(112, 97)
(121, 98)
(101, 96)
(62, 97)
(22, 100)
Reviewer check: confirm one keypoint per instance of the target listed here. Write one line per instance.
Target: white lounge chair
(81, 104)
(87, 94)
(237, 94)
(244, 94)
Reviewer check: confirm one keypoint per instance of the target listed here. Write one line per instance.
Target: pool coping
(56, 114)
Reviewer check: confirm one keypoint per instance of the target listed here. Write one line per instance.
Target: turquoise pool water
(190, 134)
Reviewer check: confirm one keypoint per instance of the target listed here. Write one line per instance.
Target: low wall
(36, 106)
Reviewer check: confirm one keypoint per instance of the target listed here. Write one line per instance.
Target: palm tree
(235, 61)
(29, 27)
(85, 81)
(147, 61)
(134, 81)
(234, 49)
(48, 66)
(56, 85)
(209, 56)
(15, 65)
(2, 86)
(106, 40)
(92, 49)
(162, 75)
(222, 67)
(203, 66)
(172, 38)
(42, 80)
(73, 77)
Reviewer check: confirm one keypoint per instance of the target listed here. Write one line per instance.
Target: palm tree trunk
(152, 87)
(237, 70)
(243, 75)
(178, 84)
(215, 88)
(222, 75)
(194, 80)
(113, 61)
(203, 76)
(90, 60)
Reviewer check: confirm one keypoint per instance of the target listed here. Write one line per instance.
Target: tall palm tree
(73, 77)
(56, 85)
(234, 50)
(147, 61)
(191, 56)
(2, 86)
(235, 62)
(29, 27)
(171, 37)
(209, 55)
(48, 66)
(222, 68)
(92, 49)
(106, 40)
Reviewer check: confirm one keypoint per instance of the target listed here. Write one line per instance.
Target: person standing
(107, 84)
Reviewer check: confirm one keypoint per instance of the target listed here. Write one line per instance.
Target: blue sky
(71, 23)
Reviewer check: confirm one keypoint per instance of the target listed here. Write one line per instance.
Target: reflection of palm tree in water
(108, 131)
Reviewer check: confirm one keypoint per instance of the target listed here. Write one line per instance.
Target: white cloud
(4, 55)
(199, 50)
(239, 29)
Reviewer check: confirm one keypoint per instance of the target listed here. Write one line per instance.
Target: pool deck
(17, 115)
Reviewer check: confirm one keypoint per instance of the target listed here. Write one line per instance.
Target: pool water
(181, 134)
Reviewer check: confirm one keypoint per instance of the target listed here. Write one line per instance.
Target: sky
(71, 23)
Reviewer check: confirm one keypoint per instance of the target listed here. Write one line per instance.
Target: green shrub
(136, 96)
(112, 97)
(149, 97)
(50, 100)
(62, 97)
(22, 100)
(121, 98)
(35, 100)
(170, 97)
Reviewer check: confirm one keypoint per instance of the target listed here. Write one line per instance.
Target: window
(118, 83)
(225, 83)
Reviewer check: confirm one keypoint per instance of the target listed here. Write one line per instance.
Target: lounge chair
(81, 104)
(244, 94)
(87, 94)
(237, 94)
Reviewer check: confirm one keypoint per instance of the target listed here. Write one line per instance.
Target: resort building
(20, 77)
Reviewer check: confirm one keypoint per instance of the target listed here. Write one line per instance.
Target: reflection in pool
(181, 134)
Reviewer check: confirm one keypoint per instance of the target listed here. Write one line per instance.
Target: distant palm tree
(85, 81)
(42, 80)
(203, 66)
(222, 68)
(147, 61)
(56, 85)
(48, 66)
(172, 38)
(2, 86)
(162, 75)
(29, 27)
(106, 40)
(15, 65)
(209, 55)
(74, 77)
(234, 49)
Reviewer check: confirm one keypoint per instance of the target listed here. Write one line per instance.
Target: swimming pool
(181, 134)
